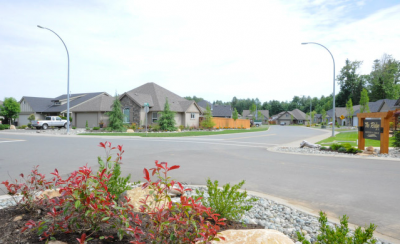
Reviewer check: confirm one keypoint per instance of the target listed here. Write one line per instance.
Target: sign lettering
(372, 129)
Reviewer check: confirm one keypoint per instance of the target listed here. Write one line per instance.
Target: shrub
(74, 127)
(29, 188)
(96, 128)
(396, 142)
(352, 150)
(167, 118)
(181, 127)
(174, 222)
(133, 126)
(346, 145)
(156, 127)
(340, 234)
(342, 149)
(2, 127)
(337, 125)
(87, 125)
(323, 148)
(116, 184)
(335, 146)
(228, 202)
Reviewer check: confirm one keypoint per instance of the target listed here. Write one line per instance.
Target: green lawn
(351, 137)
(179, 134)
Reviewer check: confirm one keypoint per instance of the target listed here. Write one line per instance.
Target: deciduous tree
(10, 108)
(364, 100)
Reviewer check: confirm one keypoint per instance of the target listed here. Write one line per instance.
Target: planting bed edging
(266, 212)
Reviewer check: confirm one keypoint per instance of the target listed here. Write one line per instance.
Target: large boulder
(256, 236)
(308, 144)
(12, 127)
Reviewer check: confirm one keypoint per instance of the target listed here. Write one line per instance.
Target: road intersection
(365, 190)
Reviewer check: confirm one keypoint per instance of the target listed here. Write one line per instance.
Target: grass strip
(178, 134)
(351, 137)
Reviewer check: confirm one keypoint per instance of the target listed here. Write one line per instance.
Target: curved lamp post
(333, 113)
(67, 75)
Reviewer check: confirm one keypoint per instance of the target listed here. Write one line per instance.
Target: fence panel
(230, 123)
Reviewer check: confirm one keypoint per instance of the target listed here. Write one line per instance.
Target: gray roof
(298, 114)
(397, 103)
(318, 116)
(75, 99)
(246, 113)
(101, 103)
(45, 105)
(222, 111)
(390, 104)
(373, 107)
(38, 104)
(217, 110)
(204, 103)
(156, 95)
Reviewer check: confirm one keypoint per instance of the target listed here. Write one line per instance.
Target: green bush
(340, 234)
(22, 127)
(74, 127)
(396, 142)
(342, 149)
(181, 127)
(2, 127)
(337, 125)
(335, 146)
(156, 127)
(228, 201)
(96, 128)
(323, 148)
(352, 150)
(346, 145)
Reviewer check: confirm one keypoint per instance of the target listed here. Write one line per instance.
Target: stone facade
(134, 109)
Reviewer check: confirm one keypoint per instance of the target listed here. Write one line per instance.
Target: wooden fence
(230, 123)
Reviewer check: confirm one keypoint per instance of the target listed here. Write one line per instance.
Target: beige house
(186, 112)
(296, 116)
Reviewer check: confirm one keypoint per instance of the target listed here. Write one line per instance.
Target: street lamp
(67, 75)
(333, 113)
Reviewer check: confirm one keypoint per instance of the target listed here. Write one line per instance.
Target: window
(192, 115)
(58, 118)
(287, 115)
(126, 115)
(48, 118)
(154, 117)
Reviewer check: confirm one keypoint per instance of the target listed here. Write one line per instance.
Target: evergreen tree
(364, 100)
(167, 119)
(116, 117)
(235, 116)
(351, 83)
(208, 121)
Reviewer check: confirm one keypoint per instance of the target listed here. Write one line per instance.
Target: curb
(274, 149)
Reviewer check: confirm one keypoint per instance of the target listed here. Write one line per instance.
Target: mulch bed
(10, 228)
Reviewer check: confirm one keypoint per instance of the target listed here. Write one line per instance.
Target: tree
(116, 117)
(253, 109)
(10, 108)
(167, 119)
(312, 116)
(350, 111)
(235, 116)
(384, 79)
(260, 116)
(208, 121)
(323, 115)
(31, 118)
(364, 100)
(351, 83)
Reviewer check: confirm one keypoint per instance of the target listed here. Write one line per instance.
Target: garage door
(23, 119)
(91, 118)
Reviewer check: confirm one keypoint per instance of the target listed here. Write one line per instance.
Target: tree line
(383, 82)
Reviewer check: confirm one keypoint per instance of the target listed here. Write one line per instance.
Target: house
(186, 112)
(247, 115)
(382, 105)
(341, 111)
(41, 107)
(93, 111)
(219, 111)
(317, 118)
(295, 116)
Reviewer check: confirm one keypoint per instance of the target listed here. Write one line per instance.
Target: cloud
(211, 49)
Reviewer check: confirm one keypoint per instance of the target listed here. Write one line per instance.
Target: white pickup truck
(49, 121)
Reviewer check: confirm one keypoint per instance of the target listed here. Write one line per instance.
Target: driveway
(365, 190)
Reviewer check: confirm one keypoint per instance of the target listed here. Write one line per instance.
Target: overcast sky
(211, 49)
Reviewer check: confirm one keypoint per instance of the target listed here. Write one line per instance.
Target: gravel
(265, 212)
(48, 131)
(393, 153)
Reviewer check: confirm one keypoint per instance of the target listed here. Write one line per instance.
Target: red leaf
(102, 145)
(146, 174)
(120, 148)
(174, 167)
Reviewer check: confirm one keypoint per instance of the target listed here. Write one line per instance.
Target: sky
(211, 49)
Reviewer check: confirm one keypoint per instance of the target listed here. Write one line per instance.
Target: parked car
(49, 121)
(282, 123)
(257, 123)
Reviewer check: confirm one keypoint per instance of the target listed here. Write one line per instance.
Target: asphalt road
(366, 190)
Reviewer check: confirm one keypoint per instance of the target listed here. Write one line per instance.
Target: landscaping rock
(254, 236)
(308, 144)
(130, 131)
(51, 193)
(12, 127)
